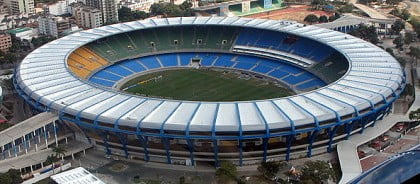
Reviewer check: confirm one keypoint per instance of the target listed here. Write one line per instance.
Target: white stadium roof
(77, 175)
(372, 75)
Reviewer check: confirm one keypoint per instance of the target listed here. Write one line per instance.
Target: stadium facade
(343, 85)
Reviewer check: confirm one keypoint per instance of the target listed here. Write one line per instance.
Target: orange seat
(83, 61)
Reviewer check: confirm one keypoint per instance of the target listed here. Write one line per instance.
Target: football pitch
(203, 85)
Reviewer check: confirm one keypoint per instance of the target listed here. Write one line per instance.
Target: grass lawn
(204, 85)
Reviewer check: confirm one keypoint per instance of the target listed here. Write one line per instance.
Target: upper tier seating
(284, 42)
(332, 68)
(142, 42)
(83, 61)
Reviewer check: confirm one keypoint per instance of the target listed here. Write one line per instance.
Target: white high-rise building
(20, 6)
(86, 17)
(109, 9)
(52, 26)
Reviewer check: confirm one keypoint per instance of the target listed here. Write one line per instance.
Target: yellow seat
(83, 61)
(89, 54)
(81, 72)
(89, 65)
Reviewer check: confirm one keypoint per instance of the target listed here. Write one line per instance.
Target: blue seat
(116, 68)
(133, 65)
(247, 59)
(262, 68)
(102, 82)
(270, 63)
(270, 39)
(244, 65)
(291, 79)
(278, 74)
(168, 59)
(291, 69)
(150, 62)
(106, 75)
(207, 59)
(224, 61)
(321, 53)
(186, 58)
(248, 36)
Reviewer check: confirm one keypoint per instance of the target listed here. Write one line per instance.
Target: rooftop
(78, 175)
(19, 30)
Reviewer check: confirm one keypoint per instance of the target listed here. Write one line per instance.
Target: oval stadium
(199, 90)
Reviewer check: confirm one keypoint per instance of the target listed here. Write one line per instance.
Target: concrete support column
(55, 134)
(289, 140)
(246, 6)
(216, 153)
(45, 136)
(39, 136)
(24, 143)
(29, 141)
(224, 10)
(2, 150)
(14, 147)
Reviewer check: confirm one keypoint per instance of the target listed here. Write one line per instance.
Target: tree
(409, 90)
(405, 14)
(228, 170)
(390, 51)
(41, 40)
(140, 15)
(316, 172)
(393, 2)
(366, 33)
(348, 8)
(399, 42)
(414, 53)
(12, 176)
(323, 19)
(7, 57)
(125, 14)
(415, 22)
(5, 178)
(15, 176)
(171, 10)
(59, 151)
(397, 26)
(414, 115)
(51, 159)
(311, 19)
(317, 3)
(409, 37)
(270, 169)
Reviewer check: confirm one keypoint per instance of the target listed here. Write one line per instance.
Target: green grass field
(204, 85)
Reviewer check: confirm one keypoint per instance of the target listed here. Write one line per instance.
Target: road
(368, 10)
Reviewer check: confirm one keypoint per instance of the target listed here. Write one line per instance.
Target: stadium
(332, 85)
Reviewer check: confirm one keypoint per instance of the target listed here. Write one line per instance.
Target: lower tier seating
(293, 76)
